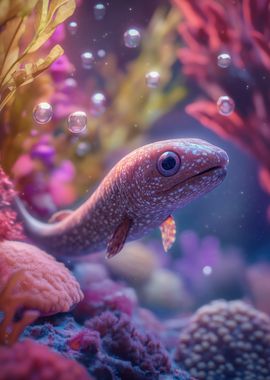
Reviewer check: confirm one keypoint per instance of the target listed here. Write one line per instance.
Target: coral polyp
(226, 340)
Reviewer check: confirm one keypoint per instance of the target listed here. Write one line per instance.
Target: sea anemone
(29, 361)
(40, 283)
(226, 340)
(245, 80)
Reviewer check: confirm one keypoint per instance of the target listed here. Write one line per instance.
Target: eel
(139, 194)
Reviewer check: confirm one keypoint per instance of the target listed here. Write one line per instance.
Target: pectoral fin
(168, 232)
(118, 238)
(60, 215)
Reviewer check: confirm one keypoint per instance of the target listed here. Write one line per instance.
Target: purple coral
(125, 351)
(110, 345)
(226, 340)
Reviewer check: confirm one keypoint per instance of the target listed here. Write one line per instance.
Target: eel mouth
(221, 170)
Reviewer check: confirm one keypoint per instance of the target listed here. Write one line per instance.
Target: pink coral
(29, 361)
(101, 293)
(9, 227)
(208, 29)
(30, 279)
(52, 286)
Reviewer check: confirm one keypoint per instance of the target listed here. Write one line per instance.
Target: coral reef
(226, 340)
(141, 354)
(245, 80)
(31, 280)
(10, 228)
(110, 345)
(28, 361)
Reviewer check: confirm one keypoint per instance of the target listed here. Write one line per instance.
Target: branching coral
(240, 28)
(28, 361)
(9, 227)
(226, 340)
(30, 279)
(16, 58)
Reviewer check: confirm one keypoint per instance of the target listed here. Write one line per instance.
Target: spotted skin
(134, 190)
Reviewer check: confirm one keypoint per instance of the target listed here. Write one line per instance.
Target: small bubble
(98, 102)
(77, 122)
(152, 79)
(224, 60)
(207, 270)
(83, 148)
(225, 105)
(132, 38)
(42, 113)
(72, 27)
(99, 11)
(101, 53)
(70, 83)
(87, 59)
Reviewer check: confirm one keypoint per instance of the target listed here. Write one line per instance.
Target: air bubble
(42, 113)
(224, 60)
(152, 79)
(83, 148)
(77, 122)
(98, 102)
(99, 11)
(87, 59)
(132, 38)
(225, 105)
(101, 53)
(73, 27)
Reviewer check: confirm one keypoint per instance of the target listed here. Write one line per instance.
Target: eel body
(139, 194)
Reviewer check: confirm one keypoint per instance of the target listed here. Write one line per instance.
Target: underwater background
(82, 84)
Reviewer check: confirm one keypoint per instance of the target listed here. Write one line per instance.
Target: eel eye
(168, 164)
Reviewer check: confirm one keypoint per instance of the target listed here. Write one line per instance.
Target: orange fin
(168, 232)
(59, 215)
(118, 238)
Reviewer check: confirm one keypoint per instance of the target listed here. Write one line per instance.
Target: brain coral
(31, 361)
(50, 287)
(226, 340)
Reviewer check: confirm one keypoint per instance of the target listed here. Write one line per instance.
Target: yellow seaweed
(18, 64)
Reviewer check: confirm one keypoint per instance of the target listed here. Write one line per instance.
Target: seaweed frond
(18, 65)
